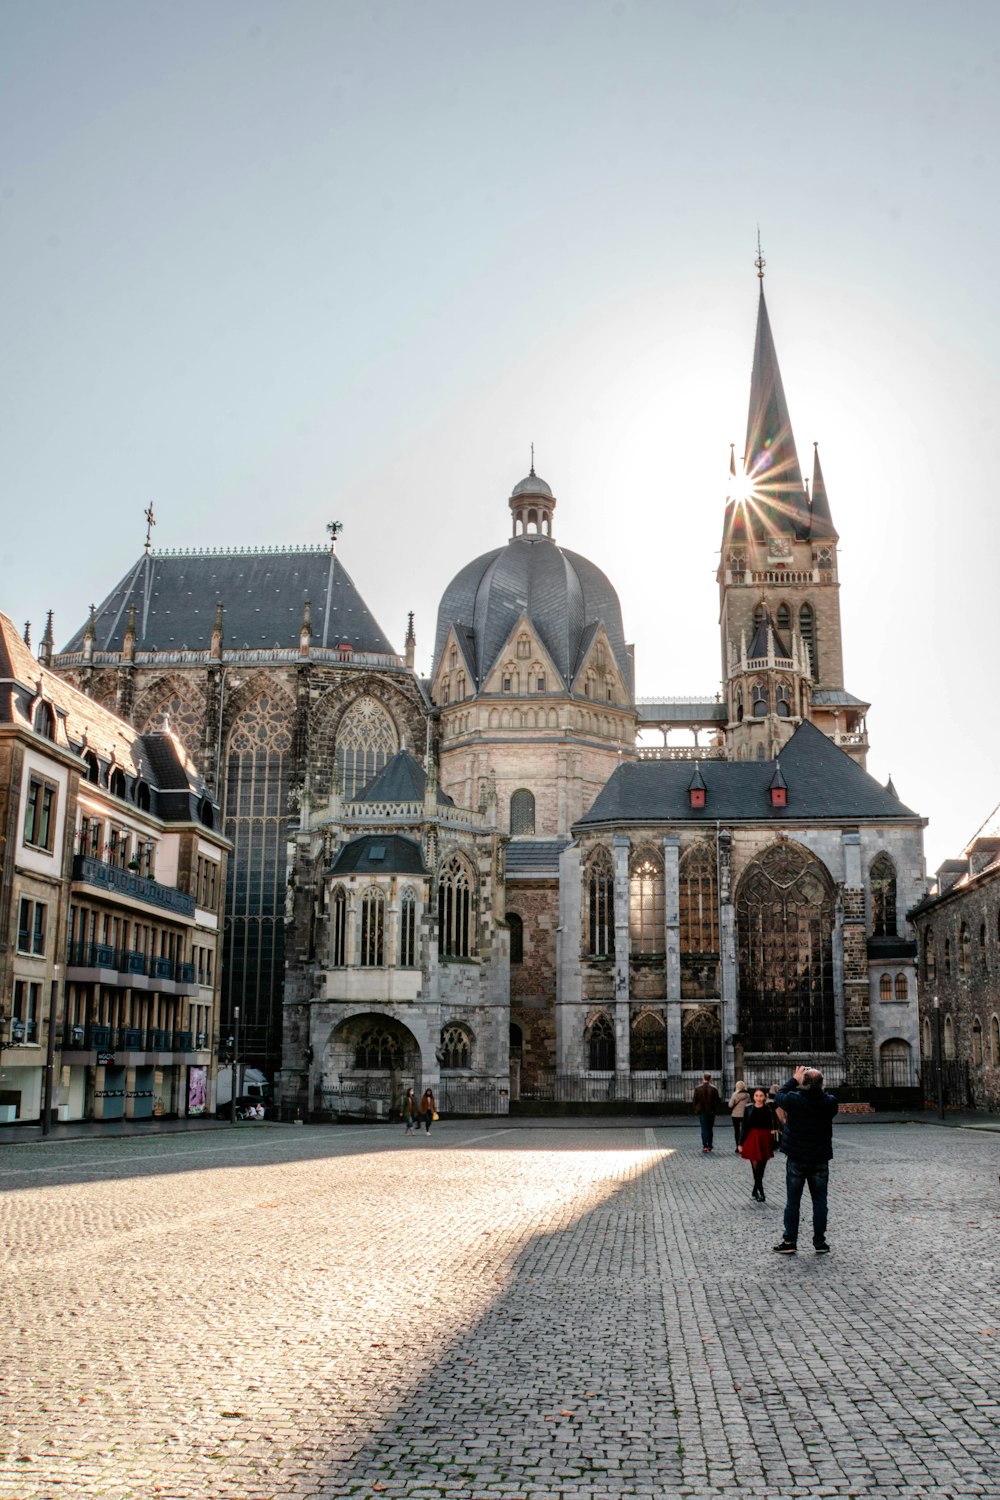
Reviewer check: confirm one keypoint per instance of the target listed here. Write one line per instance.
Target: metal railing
(130, 1039)
(128, 961)
(108, 877)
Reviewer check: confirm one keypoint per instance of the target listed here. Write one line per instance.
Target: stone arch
(599, 1041)
(373, 1043)
(182, 701)
(354, 730)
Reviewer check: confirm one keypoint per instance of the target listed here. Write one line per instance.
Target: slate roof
(771, 459)
(380, 854)
(837, 698)
(821, 525)
(402, 779)
(177, 792)
(823, 783)
(263, 593)
(665, 710)
(531, 859)
(562, 594)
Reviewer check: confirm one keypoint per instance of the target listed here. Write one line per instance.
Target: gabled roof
(823, 783)
(759, 645)
(380, 854)
(264, 593)
(771, 459)
(402, 779)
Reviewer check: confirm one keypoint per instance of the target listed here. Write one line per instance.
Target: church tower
(782, 656)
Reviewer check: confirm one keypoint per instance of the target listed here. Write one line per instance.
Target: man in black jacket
(705, 1101)
(807, 1141)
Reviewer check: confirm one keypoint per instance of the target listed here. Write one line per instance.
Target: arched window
(408, 929)
(699, 904)
(882, 878)
(977, 1042)
(206, 811)
(454, 909)
(142, 797)
(984, 961)
(601, 906)
(947, 958)
(648, 1043)
(93, 767)
(758, 615)
(926, 1043)
(456, 1047)
(338, 931)
(522, 812)
(701, 1042)
(372, 954)
(378, 1048)
(930, 962)
(759, 694)
(117, 784)
(645, 913)
(783, 620)
(885, 987)
(902, 988)
(524, 647)
(739, 705)
(366, 741)
(601, 1045)
(516, 928)
(783, 705)
(807, 630)
(460, 687)
(949, 1039)
(995, 1041)
(963, 949)
(785, 918)
(45, 721)
(894, 1060)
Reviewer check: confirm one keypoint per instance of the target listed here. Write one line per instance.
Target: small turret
(45, 650)
(90, 635)
(216, 646)
(411, 642)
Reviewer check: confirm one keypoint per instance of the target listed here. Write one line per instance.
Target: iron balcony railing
(127, 961)
(130, 1039)
(90, 871)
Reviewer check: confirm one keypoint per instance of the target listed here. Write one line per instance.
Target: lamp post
(938, 1052)
(235, 1063)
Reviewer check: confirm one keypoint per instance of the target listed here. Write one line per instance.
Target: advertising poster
(197, 1090)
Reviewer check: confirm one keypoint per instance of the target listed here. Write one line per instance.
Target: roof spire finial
(532, 458)
(760, 262)
(150, 523)
(334, 528)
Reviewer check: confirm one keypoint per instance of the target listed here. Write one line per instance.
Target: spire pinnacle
(821, 525)
(760, 262)
(150, 523)
(532, 470)
(771, 462)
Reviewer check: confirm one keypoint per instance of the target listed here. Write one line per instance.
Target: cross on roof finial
(532, 458)
(760, 262)
(150, 523)
(334, 528)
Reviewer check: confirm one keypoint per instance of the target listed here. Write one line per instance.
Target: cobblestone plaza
(499, 1310)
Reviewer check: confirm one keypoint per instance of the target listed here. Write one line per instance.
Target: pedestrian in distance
(737, 1107)
(705, 1102)
(408, 1113)
(807, 1144)
(759, 1130)
(428, 1109)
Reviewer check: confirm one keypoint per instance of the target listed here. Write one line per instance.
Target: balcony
(115, 881)
(131, 1039)
(129, 969)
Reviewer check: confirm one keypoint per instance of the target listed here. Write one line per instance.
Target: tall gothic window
(785, 916)
(601, 1045)
(257, 780)
(522, 812)
(759, 694)
(366, 740)
(456, 1047)
(963, 949)
(601, 906)
(455, 909)
(902, 989)
(338, 929)
(516, 928)
(701, 1042)
(885, 987)
(930, 962)
(807, 630)
(783, 620)
(699, 919)
(883, 886)
(648, 1043)
(372, 955)
(645, 896)
(408, 929)
(378, 1048)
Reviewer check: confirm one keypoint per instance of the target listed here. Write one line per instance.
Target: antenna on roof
(150, 523)
(334, 528)
(760, 262)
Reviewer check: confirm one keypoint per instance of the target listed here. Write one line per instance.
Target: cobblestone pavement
(494, 1312)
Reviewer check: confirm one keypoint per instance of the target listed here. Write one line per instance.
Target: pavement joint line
(73, 1166)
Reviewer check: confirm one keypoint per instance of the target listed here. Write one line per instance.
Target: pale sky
(266, 265)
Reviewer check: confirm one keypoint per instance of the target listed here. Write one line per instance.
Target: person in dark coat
(705, 1102)
(807, 1143)
(759, 1128)
(409, 1113)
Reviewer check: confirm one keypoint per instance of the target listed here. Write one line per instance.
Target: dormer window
(697, 796)
(779, 796)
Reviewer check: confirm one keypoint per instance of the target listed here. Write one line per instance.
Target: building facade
(114, 872)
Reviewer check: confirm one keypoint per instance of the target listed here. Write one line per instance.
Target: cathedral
(512, 880)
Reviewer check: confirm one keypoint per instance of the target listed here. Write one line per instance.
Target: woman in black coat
(760, 1125)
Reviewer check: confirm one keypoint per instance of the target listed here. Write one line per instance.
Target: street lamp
(235, 1063)
(938, 1050)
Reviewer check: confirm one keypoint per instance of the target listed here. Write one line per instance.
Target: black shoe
(822, 1248)
(755, 1194)
(785, 1248)
(762, 1198)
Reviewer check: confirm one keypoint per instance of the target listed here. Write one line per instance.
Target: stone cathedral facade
(512, 877)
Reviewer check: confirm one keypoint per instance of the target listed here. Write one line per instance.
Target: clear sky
(266, 265)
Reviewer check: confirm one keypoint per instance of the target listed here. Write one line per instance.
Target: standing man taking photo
(807, 1141)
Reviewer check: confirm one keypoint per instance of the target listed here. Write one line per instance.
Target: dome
(563, 595)
(531, 485)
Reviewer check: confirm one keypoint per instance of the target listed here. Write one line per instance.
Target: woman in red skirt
(760, 1126)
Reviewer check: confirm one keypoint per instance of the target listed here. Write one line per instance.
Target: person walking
(759, 1129)
(409, 1114)
(705, 1101)
(428, 1109)
(807, 1143)
(737, 1107)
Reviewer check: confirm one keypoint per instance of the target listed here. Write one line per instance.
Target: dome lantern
(531, 505)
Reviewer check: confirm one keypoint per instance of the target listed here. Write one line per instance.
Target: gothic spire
(822, 526)
(771, 462)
